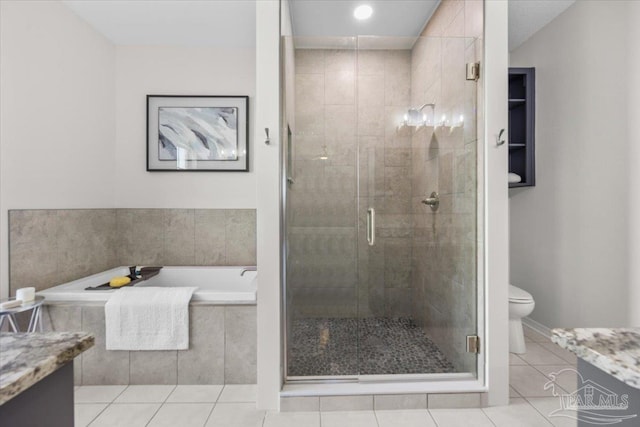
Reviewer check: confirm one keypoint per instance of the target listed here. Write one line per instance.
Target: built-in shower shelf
(522, 125)
(516, 102)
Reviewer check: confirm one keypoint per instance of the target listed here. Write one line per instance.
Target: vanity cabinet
(522, 107)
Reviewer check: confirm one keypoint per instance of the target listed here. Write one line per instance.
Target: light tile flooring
(234, 405)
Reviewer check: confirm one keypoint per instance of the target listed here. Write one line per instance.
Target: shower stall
(381, 209)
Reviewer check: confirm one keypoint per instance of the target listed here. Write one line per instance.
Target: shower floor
(369, 346)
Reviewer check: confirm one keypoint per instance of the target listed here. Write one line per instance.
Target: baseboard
(537, 326)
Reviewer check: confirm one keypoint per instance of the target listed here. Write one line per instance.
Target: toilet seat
(519, 296)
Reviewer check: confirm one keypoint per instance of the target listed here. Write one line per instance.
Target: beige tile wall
(222, 349)
(445, 160)
(49, 247)
(322, 276)
(186, 236)
(347, 107)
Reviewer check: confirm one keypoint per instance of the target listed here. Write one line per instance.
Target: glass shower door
(417, 135)
(377, 282)
(322, 264)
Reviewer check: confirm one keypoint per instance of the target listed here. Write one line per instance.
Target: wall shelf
(522, 125)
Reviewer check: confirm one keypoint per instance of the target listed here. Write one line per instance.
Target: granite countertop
(26, 358)
(613, 350)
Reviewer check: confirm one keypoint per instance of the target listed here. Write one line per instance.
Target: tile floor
(367, 346)
(233, 405)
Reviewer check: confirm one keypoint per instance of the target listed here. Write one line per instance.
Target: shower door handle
(371, 226)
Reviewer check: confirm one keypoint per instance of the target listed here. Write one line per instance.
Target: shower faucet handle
(432, 201)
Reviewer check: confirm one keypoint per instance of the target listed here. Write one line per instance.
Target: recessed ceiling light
(364, 11)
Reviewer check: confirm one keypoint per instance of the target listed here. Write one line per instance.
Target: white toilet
(521, 304)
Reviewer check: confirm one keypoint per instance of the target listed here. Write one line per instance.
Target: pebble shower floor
(369, 346)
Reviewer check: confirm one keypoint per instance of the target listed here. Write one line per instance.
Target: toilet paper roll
(26, 294)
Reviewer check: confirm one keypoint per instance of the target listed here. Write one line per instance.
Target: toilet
(521, 304)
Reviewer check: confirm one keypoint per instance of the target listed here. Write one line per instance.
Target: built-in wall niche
(522, 127)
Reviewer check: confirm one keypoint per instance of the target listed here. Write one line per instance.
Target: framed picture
(197, 133)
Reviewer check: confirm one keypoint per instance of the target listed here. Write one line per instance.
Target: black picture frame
(183, 148)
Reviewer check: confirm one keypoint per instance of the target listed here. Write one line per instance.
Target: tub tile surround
(207, 332)
(222, 349)
(49, 247)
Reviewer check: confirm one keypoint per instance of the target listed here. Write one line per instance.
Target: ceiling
(526, 17)
(231, 23)
(331, 18)
(223, 23)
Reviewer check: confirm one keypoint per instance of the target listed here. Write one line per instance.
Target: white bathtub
(216, 285)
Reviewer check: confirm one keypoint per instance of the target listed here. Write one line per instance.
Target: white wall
(633, 113)
(495, 203)
(57, 115)
(268, 20)
(148, 70)
(569, 234)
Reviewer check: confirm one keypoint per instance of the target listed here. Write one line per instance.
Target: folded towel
(149, 318)
(514, 177)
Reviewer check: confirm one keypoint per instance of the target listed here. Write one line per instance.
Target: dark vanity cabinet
(522, 106)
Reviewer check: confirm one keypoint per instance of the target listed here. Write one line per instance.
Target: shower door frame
(420, 382)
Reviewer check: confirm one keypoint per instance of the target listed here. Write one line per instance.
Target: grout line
(430, 414)
(119, 394)
(545, 375)
(224, 348)
(193, 219)
(219, 394)
(97, 415)
(154, 415)
(210, 413)
(81, 358)
(515, 391)
(536, 409)
(375, 415)
(169, 394)
(488, 417)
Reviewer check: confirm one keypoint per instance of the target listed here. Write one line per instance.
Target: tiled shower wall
(348, 104)
(445, 160)
(49, 247)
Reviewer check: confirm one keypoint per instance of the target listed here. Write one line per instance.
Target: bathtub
(216, 285)
(222, 330)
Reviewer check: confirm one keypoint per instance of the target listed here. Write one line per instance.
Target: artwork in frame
(197, 133)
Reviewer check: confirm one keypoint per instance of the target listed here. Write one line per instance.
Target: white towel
(514, 178)
(148, 318)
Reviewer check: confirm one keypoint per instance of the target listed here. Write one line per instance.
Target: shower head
(414, 116)
(428, 104)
